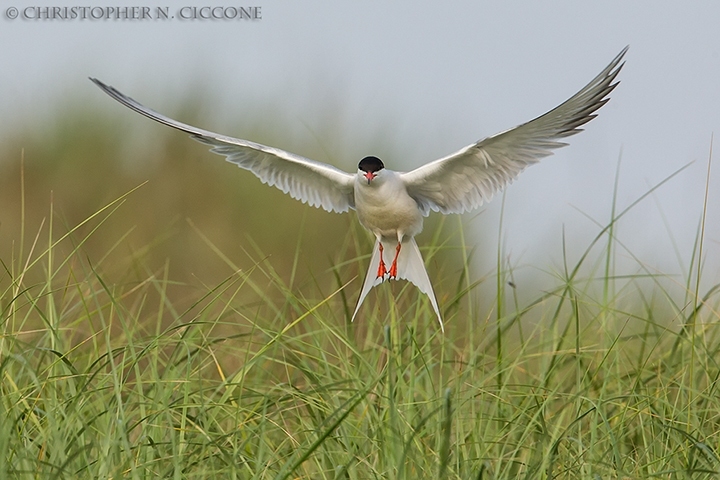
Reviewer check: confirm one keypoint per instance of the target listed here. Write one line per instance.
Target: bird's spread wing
(464, 180)
(311, 182)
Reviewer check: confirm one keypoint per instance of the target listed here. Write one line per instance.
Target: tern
(392, 205)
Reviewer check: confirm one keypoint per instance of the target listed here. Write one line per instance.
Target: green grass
(112, 369)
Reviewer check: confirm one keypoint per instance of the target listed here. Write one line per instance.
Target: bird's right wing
(311, 182)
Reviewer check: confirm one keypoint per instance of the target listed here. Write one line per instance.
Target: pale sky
(414, 81)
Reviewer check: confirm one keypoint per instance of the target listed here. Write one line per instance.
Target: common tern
(390, 204)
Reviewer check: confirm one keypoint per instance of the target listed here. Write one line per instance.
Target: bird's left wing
(311, 182)
(468, 178)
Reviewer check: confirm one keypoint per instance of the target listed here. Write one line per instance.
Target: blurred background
(336, 81)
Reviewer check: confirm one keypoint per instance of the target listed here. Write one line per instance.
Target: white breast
(385, 208)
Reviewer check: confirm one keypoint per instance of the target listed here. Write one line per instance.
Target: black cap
(371, 164)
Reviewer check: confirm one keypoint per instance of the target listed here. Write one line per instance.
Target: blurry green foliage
(81, 159)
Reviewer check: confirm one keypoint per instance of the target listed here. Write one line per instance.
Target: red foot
(393, 267)
(382, 270)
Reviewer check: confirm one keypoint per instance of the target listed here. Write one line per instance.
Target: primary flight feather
(392, 204)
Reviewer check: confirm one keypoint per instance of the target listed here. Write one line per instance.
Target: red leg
(382, 270)
(393, 267)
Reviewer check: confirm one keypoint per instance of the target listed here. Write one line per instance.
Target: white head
(370, 168)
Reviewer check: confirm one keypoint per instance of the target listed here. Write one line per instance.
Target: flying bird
(392, 205)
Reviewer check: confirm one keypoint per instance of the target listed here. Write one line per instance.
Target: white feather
(311, 182)
(411, 267)
(469, 177)
(392, 204)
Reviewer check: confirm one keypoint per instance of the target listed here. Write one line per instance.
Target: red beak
(370, 176)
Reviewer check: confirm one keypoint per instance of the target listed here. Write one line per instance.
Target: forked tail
(410, 267)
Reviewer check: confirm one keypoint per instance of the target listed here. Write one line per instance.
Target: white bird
(392, 204)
